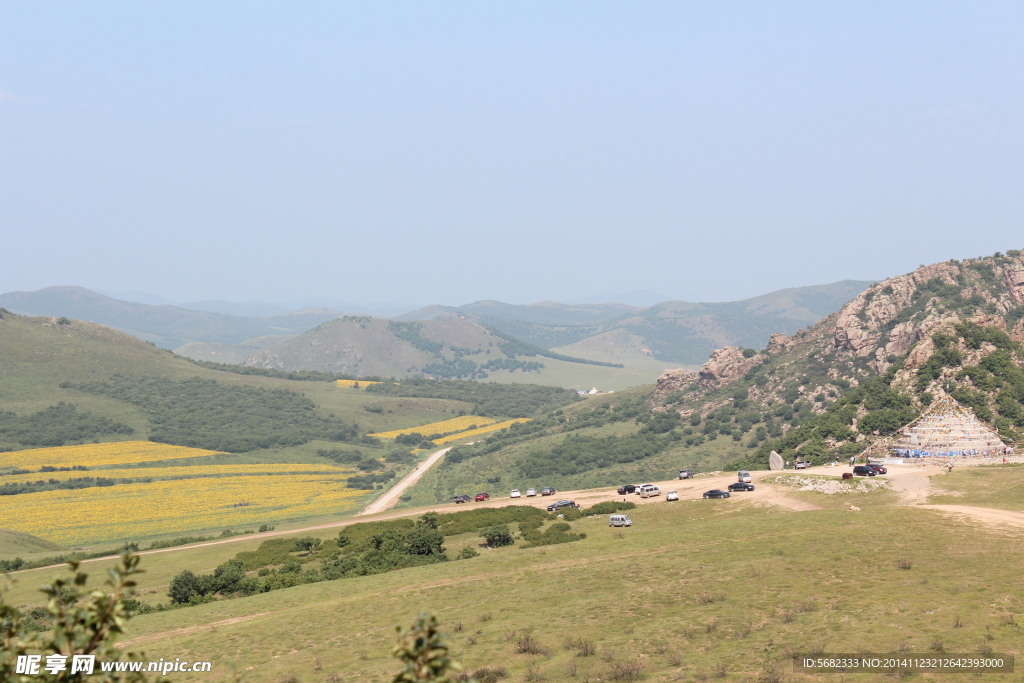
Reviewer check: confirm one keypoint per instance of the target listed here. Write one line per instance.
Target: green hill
(66, 381)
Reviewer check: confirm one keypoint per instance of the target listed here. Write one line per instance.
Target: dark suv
(628, 488)
(864, 471)
(462, 499)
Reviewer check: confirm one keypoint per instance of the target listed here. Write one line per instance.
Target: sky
(448, 152)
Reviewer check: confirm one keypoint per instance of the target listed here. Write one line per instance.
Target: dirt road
(389, 499)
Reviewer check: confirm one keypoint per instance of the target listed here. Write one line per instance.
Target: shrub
(498, 535)
(609, 508)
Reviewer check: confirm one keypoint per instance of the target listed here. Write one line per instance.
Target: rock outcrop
(895, 318)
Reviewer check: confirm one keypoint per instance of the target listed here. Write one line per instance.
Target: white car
(672, 495)
(530, 493)
(515, 493)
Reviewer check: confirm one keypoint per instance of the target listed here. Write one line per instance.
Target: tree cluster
(57, 425)
(206, 414)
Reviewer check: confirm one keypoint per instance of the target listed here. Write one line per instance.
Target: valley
(296, 499)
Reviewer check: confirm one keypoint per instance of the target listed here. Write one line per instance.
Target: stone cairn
(947, 429)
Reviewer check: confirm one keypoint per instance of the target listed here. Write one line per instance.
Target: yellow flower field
(456, 424)
(96, 454)
(353, 383)
(130, 511)
(179, 472)
(481, 430)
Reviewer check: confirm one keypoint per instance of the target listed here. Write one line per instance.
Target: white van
(619, 520)
(649, 490)
(744, 476)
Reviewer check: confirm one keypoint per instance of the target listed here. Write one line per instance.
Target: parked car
(627, 488)
(462, 499)
(801, 464)
(530, 493)
(649, 491)
(864, 471)
(483, 496)
(741, 486)
(716, 493)
(672, 495)
(686, 474)
(743, 475)
(878, 468)
(619, 520)
(548, 491)
(515, 493)
(562, 504)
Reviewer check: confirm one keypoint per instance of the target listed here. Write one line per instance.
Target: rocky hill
(823, 392)
(953, 327)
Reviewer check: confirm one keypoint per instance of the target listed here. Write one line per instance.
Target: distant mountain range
(169, 327)
(479, 339)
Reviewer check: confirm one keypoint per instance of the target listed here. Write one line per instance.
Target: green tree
(423, 540)
(309, 544)
(431, 519)
(183, 587)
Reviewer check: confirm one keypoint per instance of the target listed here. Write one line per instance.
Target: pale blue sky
(444, 152)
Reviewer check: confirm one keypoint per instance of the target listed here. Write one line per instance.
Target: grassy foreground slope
(694, 590)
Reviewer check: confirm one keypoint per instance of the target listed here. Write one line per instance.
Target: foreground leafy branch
(424, 652)
(81, 622)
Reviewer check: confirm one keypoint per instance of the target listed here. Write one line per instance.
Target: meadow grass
(583, 376)
(692, 590)
(997, 486)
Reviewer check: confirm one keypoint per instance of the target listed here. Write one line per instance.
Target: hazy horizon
(271, 306)
(412, 154)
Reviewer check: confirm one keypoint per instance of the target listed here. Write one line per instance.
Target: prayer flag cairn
(946, 429)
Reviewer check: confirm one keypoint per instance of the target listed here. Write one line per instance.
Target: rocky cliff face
(885, 323)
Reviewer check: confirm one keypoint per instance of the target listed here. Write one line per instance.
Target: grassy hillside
(604, 440)
(65, 382)
(695, 590)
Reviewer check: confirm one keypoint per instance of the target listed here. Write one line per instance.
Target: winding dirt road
(389, 499)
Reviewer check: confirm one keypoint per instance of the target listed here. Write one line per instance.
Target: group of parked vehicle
(516, 493)
(530, 493)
